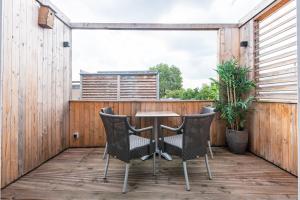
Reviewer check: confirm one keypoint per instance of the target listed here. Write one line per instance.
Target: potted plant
(234, 102)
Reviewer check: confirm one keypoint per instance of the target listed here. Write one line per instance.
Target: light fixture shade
(66, 44)
(244, 44)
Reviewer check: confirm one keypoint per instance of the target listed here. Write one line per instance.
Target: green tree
(169, 78)
(207, 92)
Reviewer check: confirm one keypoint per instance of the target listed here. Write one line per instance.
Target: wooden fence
(273, 133)
(272, 126)
(84, 118)
(36, 88)
(275, 55)
(125, 85)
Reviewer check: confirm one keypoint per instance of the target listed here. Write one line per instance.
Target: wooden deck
(76, 174)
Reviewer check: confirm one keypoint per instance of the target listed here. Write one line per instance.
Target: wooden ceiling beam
(151, 26)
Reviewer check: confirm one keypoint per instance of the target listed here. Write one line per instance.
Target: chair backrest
(196, 130)
(116, 129)
(207, 110)
(107, 110)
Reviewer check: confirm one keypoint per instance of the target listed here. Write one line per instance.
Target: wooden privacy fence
(84, 118)
(275, 55)
(273, 133)
(120, 85)
(272, 126)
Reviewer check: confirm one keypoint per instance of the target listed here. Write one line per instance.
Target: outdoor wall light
(66, 44)
(244, 44)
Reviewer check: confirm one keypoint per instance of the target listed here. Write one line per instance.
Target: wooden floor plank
(77, 174)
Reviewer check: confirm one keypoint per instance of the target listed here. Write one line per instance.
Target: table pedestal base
(164, 155)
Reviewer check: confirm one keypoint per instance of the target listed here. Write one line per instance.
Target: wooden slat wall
(273, 133)
(99, 87)
(118, 87)
(138, 87)
(36, 90)
(275, 54)
(84, 118)
(272, 126)
(228, 44)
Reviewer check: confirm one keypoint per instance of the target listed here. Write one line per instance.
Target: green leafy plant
(234, 100)
(170, 78)
(207, 92)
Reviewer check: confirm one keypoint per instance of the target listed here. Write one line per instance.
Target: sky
(194, 52)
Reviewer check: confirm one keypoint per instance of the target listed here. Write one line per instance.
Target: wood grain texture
(119, 86)
(272, 126)
(151, 26)
(273, 133)
(228, 44)
(36, 85)
(77, 174)
(84, 118)
(275, 61)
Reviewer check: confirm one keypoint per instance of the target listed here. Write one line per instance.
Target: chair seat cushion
(175, 140)
(137, 141)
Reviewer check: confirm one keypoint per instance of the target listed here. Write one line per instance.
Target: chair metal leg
(105, 151)
(106, 166)
(154, 164)
(125, 178)
(210, 150)
(207, 167)
(159, 159)
(187, 183)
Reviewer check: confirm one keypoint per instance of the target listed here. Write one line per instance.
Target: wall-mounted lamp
(244, 44)
(66, 44)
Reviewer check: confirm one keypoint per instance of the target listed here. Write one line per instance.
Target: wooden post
(118, 87)
(157, 86)
(228, 44)
(1, 78)
(81, 83)
(298, 66)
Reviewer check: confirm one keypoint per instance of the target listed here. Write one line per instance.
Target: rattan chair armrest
(141, 130)
(170, 128)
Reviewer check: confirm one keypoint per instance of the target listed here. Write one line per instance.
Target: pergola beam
(257, 10)
(151, 26)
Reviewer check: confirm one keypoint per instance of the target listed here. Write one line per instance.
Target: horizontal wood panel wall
(84, 118)
(272, 126)
(275, 55)
(36, 90)
(119, 86)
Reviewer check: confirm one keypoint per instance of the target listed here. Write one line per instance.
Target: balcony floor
(76, 174)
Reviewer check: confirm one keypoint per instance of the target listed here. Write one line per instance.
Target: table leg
(163, 154)
(156, 134)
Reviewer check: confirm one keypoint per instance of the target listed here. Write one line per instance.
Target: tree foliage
(207, 92)
(234, 87)
(169, 78)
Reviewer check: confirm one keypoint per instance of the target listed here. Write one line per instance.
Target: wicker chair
(107, 110)
(192, 143)
(206, 110)
(124, 143)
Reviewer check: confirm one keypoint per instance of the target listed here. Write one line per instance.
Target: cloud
(195, 53)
